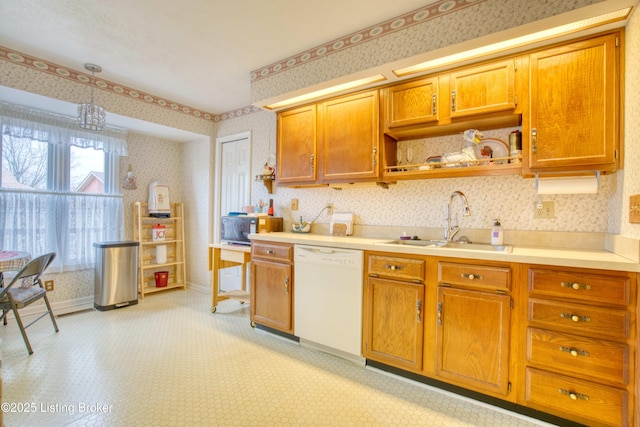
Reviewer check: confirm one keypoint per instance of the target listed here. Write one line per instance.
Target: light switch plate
(634, 209)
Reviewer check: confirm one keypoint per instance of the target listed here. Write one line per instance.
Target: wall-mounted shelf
(267, 180)
(495, 166)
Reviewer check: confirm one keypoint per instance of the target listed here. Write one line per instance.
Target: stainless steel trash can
(116, 274)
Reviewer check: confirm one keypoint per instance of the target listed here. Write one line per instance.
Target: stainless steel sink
(451, 245)
(479, 247)
(421, 243)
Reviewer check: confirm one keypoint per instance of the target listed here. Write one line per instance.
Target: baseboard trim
(61, 308)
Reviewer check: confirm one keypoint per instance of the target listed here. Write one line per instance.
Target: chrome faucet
(450, 232)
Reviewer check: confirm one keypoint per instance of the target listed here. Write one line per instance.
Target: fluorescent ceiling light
(323, 92)
(517, 42)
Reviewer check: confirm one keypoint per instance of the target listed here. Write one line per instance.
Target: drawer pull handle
(576, 286)
(393, 267)
(471, 276)
(574, 351)
(575, 317)
(572, 394)
(270, 252)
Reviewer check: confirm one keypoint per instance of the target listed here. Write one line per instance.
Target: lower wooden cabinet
(583, 401)
(394, 328)
(394, 310)
(473, 332)
(473, 339)
(580, 344)
(272, 285)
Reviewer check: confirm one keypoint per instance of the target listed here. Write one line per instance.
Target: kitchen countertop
(599, 259)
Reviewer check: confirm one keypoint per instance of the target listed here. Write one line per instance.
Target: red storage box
(162, 277)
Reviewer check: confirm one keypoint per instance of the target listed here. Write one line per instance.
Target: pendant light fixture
(91, 116)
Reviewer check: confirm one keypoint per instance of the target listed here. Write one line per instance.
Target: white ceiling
(199, 53)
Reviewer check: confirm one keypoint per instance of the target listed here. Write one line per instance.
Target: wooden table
(224, 256)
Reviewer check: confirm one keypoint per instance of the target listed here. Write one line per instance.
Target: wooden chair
(25, 289)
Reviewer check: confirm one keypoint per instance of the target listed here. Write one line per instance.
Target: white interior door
(235, 192)
(235, 185)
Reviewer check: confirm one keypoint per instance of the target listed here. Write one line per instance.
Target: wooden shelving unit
(174, 241)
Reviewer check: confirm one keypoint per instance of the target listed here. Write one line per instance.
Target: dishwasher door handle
(318, 250)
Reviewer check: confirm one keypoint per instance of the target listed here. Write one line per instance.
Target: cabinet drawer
(396, 267)
(580, 286)
(564, 317)
(571, 354)
(272, 251)
(576, 399)
(475, 276)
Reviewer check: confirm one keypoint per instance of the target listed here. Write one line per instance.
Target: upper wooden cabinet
(296, 147)
(334, 141)
(349, 138)
(573, 118)
(411, 103)
(483, 89)
(476, 96)
(567, 99)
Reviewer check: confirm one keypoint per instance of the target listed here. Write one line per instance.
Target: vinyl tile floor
(169, 361)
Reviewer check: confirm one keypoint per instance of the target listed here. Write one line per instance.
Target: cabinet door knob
(534, 140)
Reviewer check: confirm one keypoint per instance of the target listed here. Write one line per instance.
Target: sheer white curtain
(27, 123)
(58, 220)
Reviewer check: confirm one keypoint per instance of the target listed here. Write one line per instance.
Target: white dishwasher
(328, 299)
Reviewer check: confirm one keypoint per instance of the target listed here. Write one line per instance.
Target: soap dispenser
(496, 233)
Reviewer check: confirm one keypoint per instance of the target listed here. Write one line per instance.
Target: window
(58, 188)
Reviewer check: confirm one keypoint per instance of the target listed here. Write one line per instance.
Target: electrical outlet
(329, 208)
(294, 204)
(547, 211)
(48, 285)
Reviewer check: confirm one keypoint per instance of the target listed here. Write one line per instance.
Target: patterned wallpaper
(628, 183)
(84, 78)
(398, 23)
(442, 24)
(151, 158)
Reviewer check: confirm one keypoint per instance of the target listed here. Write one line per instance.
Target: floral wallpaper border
(418, 16)
(41, 65)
